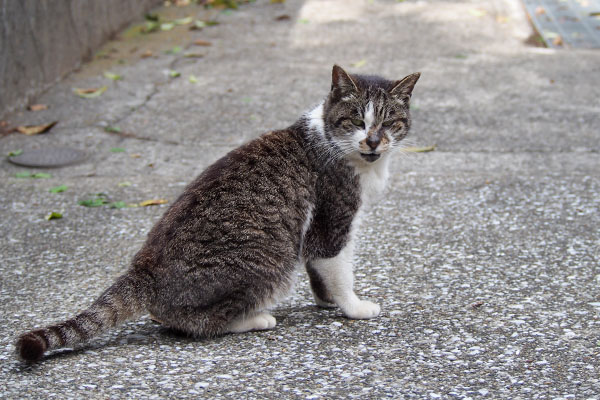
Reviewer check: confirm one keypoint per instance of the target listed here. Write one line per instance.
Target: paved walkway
(566, 23)
(483, 254)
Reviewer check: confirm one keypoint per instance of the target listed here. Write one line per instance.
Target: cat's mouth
(370, 157)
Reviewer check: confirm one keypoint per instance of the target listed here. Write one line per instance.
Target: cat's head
(367, 116)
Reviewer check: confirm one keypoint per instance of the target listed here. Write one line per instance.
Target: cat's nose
(373, 141)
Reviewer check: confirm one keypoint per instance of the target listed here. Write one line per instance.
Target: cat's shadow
(153, 331)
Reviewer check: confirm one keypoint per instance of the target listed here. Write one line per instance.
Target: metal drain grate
(566, 23)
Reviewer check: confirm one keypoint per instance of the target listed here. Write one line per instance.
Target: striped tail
(127, 297)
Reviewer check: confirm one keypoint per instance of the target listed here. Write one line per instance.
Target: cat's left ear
(403, 88)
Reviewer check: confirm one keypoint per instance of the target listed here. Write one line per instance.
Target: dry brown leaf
(35, 129)
(37, 107)
(200, 42)
(153, 202)
(558, 41)
(283, 17)
(135, 155)
(146, 54)
(90, 93)
(424, 149)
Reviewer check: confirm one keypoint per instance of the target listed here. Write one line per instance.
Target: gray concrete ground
(483, 254)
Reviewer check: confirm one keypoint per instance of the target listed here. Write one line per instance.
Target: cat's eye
(358, 122)
(387, 123)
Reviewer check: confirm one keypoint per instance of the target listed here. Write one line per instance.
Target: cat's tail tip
(31, 347)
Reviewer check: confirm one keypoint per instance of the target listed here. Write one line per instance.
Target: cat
(228, 248)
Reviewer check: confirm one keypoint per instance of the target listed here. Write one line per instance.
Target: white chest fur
(373, 179)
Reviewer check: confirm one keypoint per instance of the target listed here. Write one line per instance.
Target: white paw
(362, 310)
(264, 321)
(255, 322)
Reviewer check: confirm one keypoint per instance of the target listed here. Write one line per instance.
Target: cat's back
(254, 199)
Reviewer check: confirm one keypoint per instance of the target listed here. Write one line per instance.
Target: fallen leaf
(476, 12)
(152, 17)
(193, 79)
(167, 26)
(112, 129)
(283, 17)
(114, 77)
(124, 184)
(424, 149)
(540, 10)
(35, 129)
(146, 54)
(100, 199)
(360, 63)
(15, 153)
(90, 93)
(117, 150)
(118, 204)
(200, 42)
(37, 175)
(278, 1)
(174, 50)
(37, 107)
(53, 215)
(135, 155)
(198, 24)
(193, 55)
(183, 21)
(58, 189)
(557, 41)
(174, 74)
(154, 202)
(303, 21)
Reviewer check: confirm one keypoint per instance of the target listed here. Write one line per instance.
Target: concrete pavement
(487, 250)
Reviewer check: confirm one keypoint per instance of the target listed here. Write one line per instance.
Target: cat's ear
(403, 88)
(341, 80)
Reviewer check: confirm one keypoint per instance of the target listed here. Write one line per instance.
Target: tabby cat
(228, 248)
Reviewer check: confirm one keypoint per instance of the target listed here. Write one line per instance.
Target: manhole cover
(48, 157)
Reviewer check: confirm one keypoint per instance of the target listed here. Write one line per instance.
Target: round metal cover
(48, 157)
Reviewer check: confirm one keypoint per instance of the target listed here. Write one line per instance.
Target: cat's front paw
(362, 310)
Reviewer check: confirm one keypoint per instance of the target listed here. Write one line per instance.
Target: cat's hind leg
(256, 321)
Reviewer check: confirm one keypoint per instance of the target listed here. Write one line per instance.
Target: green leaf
(167, 26)
(174, 50)
(174, 74)
(151, 26)
(114, 77)
(198, 24)
(118, 204)
(37, 175)
(183, 21)
(100, 200)
(124, 184)
(112, 129)
(193, 79)
(53, 215)
(117, 150)
(303, 21)
(152, 17)
(15, 153)
(58, 189)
